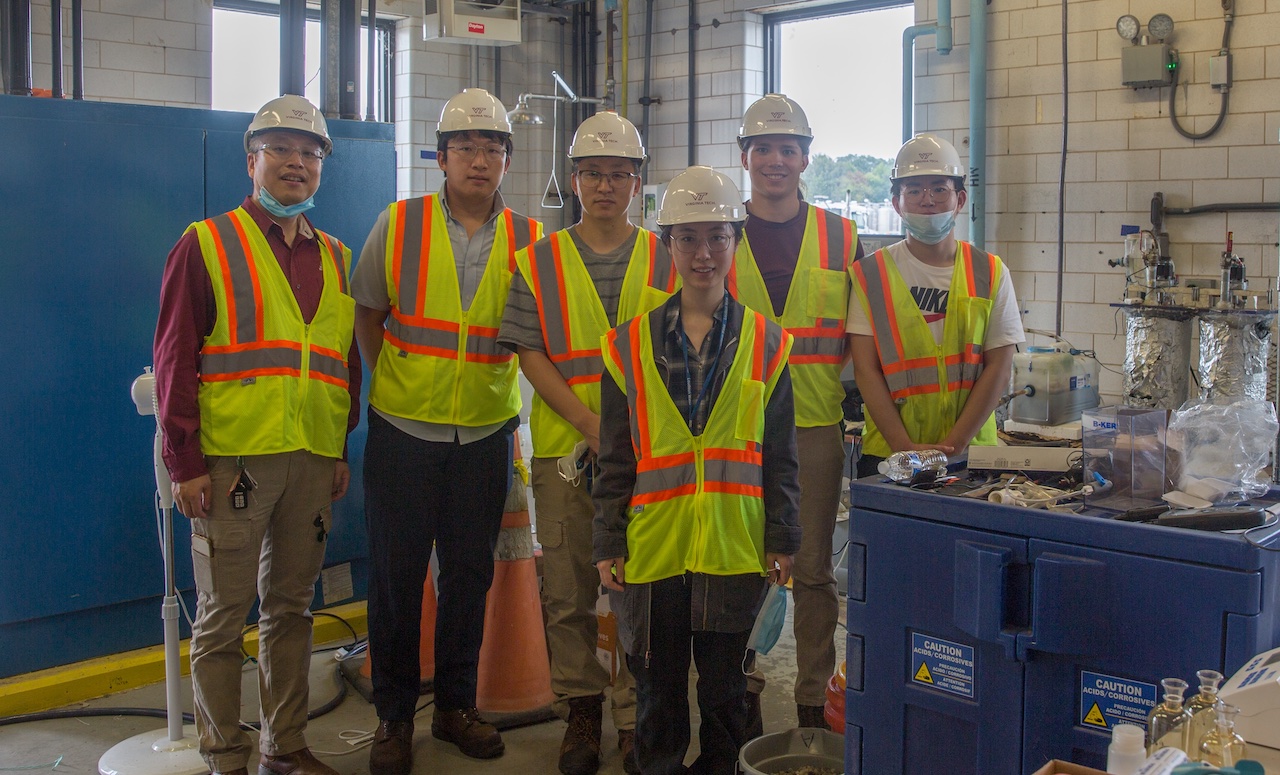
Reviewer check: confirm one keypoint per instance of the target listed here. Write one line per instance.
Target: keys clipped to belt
(243, 484)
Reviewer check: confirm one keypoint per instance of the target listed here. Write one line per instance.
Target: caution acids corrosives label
(942, 664)
(1106, 700)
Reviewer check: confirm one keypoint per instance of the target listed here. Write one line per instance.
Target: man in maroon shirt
(258, 381)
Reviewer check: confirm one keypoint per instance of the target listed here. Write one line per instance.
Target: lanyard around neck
(696, 401)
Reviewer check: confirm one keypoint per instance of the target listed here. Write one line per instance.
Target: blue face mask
(929, 229)
(273, 206)
(768, 626)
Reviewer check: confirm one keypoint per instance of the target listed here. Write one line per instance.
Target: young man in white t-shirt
(933, 321)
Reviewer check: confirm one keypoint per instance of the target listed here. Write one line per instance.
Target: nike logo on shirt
(932, 302)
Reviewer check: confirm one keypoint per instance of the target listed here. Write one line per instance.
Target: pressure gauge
(1127, 27)
(1161, 26)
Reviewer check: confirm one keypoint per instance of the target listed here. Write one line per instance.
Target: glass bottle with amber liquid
(1221, 746)
(1168, 722)
(1204, 717)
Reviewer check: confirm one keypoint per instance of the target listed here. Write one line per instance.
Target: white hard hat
(607, 134)
(773, 114)
(473, 110)
(292, 113)
(701, 195)
(927, 154)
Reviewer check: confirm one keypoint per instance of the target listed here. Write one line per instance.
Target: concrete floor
(531, 750)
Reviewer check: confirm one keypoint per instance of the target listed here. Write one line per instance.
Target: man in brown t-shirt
(793, 267)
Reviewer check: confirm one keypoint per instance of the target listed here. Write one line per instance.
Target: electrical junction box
(474, 22)
(1142, 66)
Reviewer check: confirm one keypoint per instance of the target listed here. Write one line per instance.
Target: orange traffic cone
(515, 670)
(426, 641)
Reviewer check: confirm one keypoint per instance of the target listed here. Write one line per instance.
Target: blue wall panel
(95, 196)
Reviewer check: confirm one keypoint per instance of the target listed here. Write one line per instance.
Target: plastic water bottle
(903, 466)
(1127, 750)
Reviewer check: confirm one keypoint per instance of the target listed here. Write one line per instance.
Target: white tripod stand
(172, 751)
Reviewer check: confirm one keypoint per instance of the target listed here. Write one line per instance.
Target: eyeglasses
(593, 178)
(716, 243)
(286, 152)
(468, 152)
(936, 193)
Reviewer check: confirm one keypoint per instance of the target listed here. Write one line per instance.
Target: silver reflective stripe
(878, 299)
(544, 268)
(250, 360)
(422, 337)
(662, 271)
(817, 345)
(581, 366)
(329, 366)
(836, 247)
(667, 478)
(908, 378)
(240, 279)
(981, 263)
(486, 345)
(416, 215)
(733, 472)
(623, 346)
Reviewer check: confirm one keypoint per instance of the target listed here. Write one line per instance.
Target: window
(246, 58)
(843, 65)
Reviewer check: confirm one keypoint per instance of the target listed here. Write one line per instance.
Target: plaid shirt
(671, 362)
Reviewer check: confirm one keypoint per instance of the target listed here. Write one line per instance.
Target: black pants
(418, 494)
(867, 466)
(662, 690)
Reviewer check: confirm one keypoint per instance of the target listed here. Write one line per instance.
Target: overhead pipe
(55, 45)
(371, 77)
(978, 122)
(331, 12)
(77, 49)
(942, 44)
(645, 99)
(349, 59)
(693, 82)
(625, 34)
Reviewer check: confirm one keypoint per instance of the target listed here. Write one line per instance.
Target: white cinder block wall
(1121, 146)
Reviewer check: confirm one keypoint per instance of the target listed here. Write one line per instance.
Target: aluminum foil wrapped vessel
(1234, 347)
(1157, 356)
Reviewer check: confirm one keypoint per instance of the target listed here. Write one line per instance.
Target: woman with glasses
(930, 306)
(697, 498)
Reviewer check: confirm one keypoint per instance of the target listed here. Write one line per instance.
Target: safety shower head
(522, 114)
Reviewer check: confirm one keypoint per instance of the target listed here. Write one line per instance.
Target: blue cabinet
(989, 639)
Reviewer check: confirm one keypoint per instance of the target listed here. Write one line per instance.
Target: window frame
(385, 37)
(773, 29)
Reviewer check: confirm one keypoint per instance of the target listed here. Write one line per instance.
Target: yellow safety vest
(698, 502)
(440, 364)
(814, 313)
(929, 382)
(573, 321)
(270, 382)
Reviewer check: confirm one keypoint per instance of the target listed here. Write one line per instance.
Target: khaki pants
(813, 580)
(571, 585)
(271, 550)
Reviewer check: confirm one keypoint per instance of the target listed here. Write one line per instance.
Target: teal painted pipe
(943, 41)
(977, 122)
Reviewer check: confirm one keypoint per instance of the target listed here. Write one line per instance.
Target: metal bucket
(792, 749)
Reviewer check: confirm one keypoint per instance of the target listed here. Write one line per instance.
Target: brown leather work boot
(465, 729)
(392, 751)
(627, 745)
(301, 762)
(580, 750)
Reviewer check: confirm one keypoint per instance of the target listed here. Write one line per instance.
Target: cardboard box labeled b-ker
(1056, 767)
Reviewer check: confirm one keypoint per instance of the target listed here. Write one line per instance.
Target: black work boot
(580, 751)
(811, 716)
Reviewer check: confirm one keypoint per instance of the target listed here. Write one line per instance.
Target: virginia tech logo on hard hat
(604, 136)
(481, 112)
(299, 113)
(779, 115)
(699, 196)
(925, 156)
